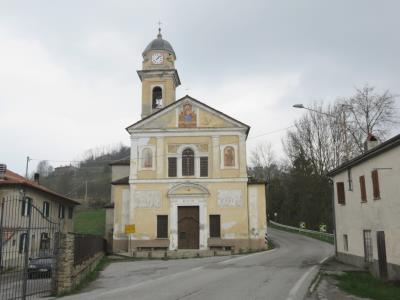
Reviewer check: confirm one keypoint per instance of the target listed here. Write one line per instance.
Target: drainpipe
(334, 214)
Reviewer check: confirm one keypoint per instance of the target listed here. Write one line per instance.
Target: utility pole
(85, 191)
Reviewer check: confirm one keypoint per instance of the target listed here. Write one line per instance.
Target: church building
(185, 184)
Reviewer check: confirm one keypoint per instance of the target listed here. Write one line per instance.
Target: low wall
(69, 274)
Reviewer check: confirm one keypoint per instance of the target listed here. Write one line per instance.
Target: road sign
(130, 228)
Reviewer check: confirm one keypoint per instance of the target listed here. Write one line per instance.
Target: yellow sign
(130, 228)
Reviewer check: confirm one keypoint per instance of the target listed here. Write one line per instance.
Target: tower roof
(159, 44)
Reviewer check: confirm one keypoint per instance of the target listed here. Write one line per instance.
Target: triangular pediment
(187, 113)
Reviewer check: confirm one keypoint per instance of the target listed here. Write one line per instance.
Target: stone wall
(68, 275)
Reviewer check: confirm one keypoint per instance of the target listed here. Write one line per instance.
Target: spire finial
(159, 30)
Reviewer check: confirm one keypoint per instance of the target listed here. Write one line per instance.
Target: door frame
(201, 202)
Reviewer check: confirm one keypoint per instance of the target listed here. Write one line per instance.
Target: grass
(90, 221)
(316, 235)
(363, 284)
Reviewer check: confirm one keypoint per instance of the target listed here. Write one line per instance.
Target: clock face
(157, 58)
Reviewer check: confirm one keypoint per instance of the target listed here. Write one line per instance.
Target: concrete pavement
(283, 273)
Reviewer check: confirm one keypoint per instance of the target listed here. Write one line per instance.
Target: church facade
(185, 185)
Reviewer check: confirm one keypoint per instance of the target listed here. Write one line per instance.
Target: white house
(367, 209)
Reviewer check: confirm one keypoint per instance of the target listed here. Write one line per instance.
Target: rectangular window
(375, 185)
(70, 212)
(61, 211)
(345, 243)
(172, 167)
(22, 243)
(46, 209)
(162, 227)
(349, 179)
(363, 189)
(204, 166)
(26, 206)
(215, 226)
(340, 193)
(368, 246)
(44, 241)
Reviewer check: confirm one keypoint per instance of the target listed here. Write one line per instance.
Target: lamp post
(343, 122)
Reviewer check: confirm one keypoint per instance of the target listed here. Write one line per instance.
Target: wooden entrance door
(188, 227)
(380, 239)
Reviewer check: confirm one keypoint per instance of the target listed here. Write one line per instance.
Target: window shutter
(375, 184)
(215, 226)
(162, 226)
(340, 193)
(172, 170)
(204, 166)
(362, 189)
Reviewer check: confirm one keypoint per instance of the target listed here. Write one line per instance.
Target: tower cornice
(143, 74)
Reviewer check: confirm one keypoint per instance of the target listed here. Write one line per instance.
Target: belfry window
(188, 162)
(157, 97)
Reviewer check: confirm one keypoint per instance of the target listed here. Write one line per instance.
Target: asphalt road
(282, 273)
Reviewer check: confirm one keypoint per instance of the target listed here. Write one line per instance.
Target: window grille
(368, 246)
(46, 209)
(172, 167)
(188, 162)
(204, 166)
(215, 226)
(162, 226)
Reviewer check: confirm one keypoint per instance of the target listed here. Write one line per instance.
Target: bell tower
(158, 75)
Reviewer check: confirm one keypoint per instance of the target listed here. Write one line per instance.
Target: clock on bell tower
(158, 75)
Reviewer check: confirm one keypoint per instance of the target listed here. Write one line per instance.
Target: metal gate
(29, 244)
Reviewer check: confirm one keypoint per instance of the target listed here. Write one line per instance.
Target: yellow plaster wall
(207, 119)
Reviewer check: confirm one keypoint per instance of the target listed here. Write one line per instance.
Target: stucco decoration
(203, 147)
(172, 148)
(187, 117)
(147, 199)
(229, 198)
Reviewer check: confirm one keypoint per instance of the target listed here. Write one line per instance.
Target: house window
(340, 193)
(70, 212)
(204, 166)
(26, 206)
(375, 185)
(368, 246)
(215, 226)
(229, 156)
(363, 189)
(46, 209)
(22, 242)
(349, 179)
(188, 162)
(44, 241)
(162, 227)
(157, 97)
(172, 167)
(345, 243)
(61, 211)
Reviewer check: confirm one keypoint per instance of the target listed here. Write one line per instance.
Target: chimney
(370, 142)
(36, 177)
(3, 169)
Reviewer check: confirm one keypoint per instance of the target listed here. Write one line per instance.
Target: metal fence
(329, 237)
(87, 246)
(29, 240)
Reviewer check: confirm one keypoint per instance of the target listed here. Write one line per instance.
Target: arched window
(147, 158)
(229, 156)
(188, 162)
(157, 97)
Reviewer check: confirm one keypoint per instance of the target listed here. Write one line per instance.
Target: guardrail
(324, 236)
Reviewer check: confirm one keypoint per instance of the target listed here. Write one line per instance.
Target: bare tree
(370, 112)
(263, 160)
(44, 168)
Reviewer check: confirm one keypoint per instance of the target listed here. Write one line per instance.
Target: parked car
(40, 267)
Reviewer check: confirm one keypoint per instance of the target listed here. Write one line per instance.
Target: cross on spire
(159, 30)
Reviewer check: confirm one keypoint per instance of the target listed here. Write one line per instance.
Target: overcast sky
(68, 77)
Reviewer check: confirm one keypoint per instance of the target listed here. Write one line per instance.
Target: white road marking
(224, 262)
(299, 282)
